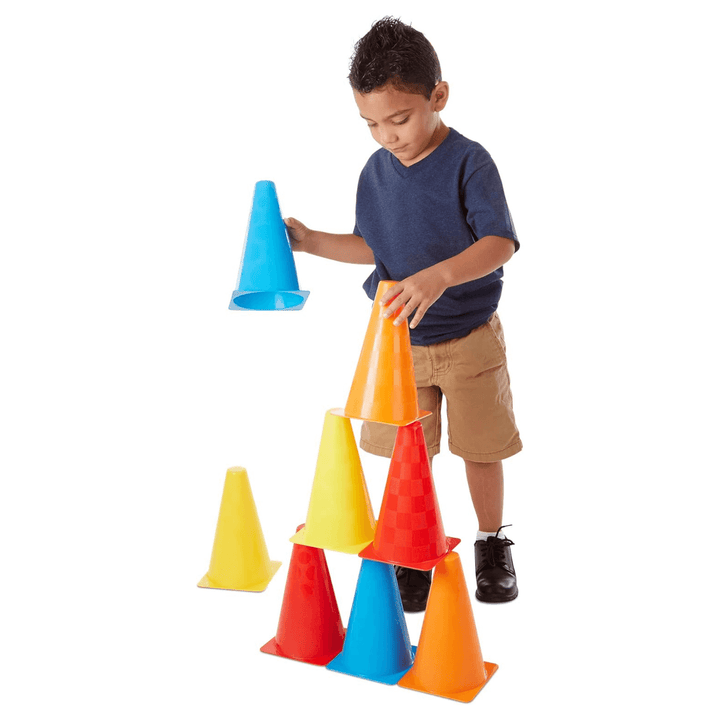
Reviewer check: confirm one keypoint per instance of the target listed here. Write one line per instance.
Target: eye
(402, 122)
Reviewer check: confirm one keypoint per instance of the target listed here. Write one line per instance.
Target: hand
(418, 293)
(299, 235)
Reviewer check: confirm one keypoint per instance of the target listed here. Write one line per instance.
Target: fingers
(410, 306)
(390, 295)
(394, 299)
(406, 301)
(419, 315)
(296, 232)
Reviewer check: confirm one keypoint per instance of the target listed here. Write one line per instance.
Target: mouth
(394, 151)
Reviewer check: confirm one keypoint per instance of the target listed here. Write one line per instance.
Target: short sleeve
(485, 203)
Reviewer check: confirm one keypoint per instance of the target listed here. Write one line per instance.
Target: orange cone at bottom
(449, 661)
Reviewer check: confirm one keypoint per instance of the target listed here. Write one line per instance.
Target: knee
(482, 465)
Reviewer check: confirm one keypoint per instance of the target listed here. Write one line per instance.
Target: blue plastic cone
(377, 645)
(267, 279)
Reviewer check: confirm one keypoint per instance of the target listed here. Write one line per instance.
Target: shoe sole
(495, 600)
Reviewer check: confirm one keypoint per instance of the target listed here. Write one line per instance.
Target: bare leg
(486, 484)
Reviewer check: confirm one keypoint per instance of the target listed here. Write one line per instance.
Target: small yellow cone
(239, 556)
(340, 516)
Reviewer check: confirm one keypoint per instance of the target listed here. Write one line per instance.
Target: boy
(431, 214)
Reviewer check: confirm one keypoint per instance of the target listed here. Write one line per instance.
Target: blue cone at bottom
(377, 645)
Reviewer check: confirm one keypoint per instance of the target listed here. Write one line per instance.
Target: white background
(131, 136)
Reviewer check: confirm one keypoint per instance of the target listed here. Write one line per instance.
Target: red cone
(310, 628)
(410, 531)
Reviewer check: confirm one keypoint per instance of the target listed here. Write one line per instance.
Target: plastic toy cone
(449, 661)
(383, 389)
(239, 556)
(310, 628)
(340, 516)
(267, 279)
(377, 646)
(410, 529)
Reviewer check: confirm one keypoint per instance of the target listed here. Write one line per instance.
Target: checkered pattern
(410, 528)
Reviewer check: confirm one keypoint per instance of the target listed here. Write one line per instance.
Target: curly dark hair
(397, 53)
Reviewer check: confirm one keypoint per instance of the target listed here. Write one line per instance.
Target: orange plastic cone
(239, 556)
(383, 389)
(340, 516)
(310, 628)
(449, 661)
(410, 529)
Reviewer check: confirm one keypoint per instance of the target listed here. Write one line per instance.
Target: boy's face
(406, 124)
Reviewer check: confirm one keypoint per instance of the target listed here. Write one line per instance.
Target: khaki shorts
(471, 372)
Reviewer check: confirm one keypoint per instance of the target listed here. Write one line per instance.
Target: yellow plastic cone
(239, 556)
(340, 516)
(449, 662)
(383, 389)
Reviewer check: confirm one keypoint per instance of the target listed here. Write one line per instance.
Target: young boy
(431, 214)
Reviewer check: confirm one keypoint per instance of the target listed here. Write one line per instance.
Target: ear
(440, 95)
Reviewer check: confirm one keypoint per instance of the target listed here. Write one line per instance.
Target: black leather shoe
(494, 570)
(414, 587)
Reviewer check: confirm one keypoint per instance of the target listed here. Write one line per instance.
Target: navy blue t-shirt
(414, 217)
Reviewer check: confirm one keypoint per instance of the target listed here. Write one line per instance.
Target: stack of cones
(409, 532)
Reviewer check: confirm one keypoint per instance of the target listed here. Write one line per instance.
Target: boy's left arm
(419, 291)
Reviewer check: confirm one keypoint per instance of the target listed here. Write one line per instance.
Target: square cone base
(272, 648)
(369, 553)
(268, 299)
(206, 582)
(422, 414)
(299, 538)
(465, 696)
(339, 665)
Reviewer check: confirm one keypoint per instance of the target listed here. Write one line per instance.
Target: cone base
(272, 648)
(340, 664)
(410, 683)
(371, 418)
(206, 582)
(268, 299)
(370, 553)
(354, 549)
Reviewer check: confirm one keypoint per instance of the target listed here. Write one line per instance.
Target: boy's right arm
(344, 248)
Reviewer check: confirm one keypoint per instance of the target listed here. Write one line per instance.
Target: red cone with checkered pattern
(409, 530)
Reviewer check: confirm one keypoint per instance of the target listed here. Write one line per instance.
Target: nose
(388, 136)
